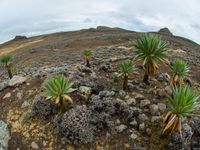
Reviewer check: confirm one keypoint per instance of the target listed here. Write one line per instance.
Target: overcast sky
(34, 17)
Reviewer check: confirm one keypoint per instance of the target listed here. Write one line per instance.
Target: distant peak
(165, 31)
(19, 37)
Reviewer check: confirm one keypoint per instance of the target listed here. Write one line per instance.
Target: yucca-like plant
(180, 70)
(151, 50)
(57, 88)
(125, 68)
(183, 103)
(87, 54)
(6, 59)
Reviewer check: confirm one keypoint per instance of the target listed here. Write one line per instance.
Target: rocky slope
(107, 118)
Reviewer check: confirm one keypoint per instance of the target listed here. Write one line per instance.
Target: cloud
(28, 17)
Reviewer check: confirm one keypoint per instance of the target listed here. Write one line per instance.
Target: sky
(36, 17)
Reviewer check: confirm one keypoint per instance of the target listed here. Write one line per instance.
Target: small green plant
(125, 68)
(87, 54)
(151, 50)
(57, 88)
(183, 103)
(6, 59)
(180, 70)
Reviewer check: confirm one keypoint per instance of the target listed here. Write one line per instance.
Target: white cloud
(28, 17)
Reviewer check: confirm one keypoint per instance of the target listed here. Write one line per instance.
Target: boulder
(4, 135)
(17, 80)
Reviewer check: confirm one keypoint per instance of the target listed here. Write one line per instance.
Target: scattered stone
(34, 145)
(154, 109)
(144, 103)
(168, 90)
(17, 80)
(134, 123)
(8, 95)
(142, 117)
(19, 95)
(118, 121)
(142, 126)
(162, 107)
(164, 77)
(131, 102)
(121, 128)
(139, 97)
(44, 143)
(133, 136)
(85, 91)
(155, 119)
(4, 135)
(25, 104)
(4, 84)
(122, 94)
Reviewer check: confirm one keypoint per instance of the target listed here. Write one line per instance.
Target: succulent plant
(6, 59)
(180, 70)
(125, 68)
(57, 88)
(183, 103)
(87, 54)
(151, 50)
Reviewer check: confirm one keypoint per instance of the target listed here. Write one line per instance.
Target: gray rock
(134, 123)
(17, 80)
(4, 135)
(121, 128)
(162, 107)
(142, 118)
(133, 136)
(106, 93)
(118, 121)
(164, 77)
(168, 90)
(4, 84)
(43, 108)
(85, 91)
(142, 126)
(144, 103)
(8, 95)
(122, 94)
(155, 119)
(131, 102)
(34, 145)
(139, 97)
(154, 109)
(25, 104)
(19, 95)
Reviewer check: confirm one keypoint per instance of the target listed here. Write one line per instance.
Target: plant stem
(87, 63)
(146, 79)
(125, 84)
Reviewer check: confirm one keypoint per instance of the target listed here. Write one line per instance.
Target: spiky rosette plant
(125, 68)
(180, 70)
(6, 59)
(151, 50)
(183, 103)
(57, 88)
(87, 54)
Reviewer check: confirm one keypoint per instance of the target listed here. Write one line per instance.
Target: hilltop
(120, 120)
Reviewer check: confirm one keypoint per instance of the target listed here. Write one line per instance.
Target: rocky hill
(108, 118)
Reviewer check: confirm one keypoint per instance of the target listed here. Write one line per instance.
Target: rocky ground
(103, 116)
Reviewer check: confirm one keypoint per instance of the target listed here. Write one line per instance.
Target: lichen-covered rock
(102, 104)
(43, 108)
(4, 135)
(75, 125)
(96, 83)
(17, 80)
